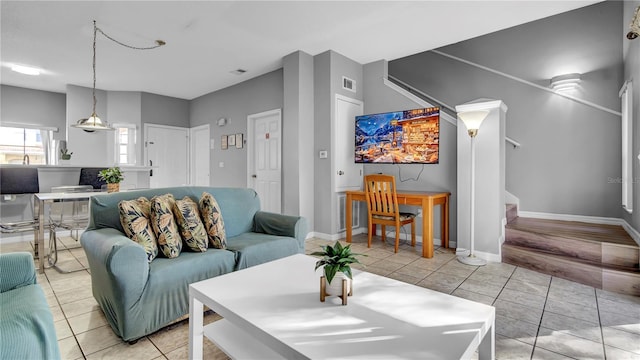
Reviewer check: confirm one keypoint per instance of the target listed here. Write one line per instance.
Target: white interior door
(200, 151)
(265, 162)
(347, 173)
(167, 151)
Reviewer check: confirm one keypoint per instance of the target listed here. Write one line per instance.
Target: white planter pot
(335, 287)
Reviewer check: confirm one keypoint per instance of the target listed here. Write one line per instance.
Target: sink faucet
(25, 159)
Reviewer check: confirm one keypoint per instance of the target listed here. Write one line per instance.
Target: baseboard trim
(635, 235)
(356, 231)
(481, 254)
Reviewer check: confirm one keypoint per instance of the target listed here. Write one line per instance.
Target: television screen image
(401, 137)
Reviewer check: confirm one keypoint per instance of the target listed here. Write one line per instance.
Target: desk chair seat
(67, 215)
(382, 208)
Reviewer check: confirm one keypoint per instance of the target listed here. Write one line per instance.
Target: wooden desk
(427, 200)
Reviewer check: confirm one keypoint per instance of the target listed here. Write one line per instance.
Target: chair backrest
(381, 195)
(19, 180)
(89, 176)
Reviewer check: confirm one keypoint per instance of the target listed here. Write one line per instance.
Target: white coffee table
(273, 311)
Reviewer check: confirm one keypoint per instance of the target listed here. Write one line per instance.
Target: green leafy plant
(65, 154)
(111, 175)
(336, 258)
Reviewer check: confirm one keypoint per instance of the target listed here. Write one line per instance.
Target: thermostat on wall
(322, 154)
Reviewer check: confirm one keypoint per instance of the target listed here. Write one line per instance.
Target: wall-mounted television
(400, 137)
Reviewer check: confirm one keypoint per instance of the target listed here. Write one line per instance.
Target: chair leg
(383, 228)
(413, 233)
(398, 228)
(371, 227)
(53, 247)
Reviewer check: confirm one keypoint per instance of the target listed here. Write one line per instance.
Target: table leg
(487, 347)
(40, 239)
(427, 228)
(348, 214)
(444, 220)
(196, 328)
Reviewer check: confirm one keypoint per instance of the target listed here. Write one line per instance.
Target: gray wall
(631, 55)
(297, 161)
(35, 107)
(235, 103)
(329, 68)
(569, 149)
(434, 177)
(164, 110)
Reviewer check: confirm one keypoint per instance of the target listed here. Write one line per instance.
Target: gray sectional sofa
(138, 297)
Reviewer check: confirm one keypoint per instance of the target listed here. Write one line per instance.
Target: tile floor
(537, 316)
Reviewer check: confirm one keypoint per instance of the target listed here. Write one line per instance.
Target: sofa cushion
(164, 225)
(255, 248)
(213, 221)
(26, 325)
(190, 225)
(135, 220)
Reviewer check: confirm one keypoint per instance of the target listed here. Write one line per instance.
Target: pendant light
(93, 122)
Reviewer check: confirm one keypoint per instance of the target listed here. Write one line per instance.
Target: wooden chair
(382, 206)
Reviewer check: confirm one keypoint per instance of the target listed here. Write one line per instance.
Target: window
(125, 144)
(26, 145)
(627, 146)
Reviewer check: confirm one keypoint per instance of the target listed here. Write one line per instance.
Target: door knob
(340, 172)
(254, 176)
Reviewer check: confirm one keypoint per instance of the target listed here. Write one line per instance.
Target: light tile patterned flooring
(537, 316)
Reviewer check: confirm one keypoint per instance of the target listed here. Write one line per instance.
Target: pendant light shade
(92, 123)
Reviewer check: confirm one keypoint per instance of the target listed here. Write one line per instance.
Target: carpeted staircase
(598, 255)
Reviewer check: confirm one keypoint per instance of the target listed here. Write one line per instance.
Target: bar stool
(67, 215)
(19, 182)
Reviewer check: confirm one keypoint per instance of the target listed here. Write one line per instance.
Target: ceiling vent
(238, 71)
(348, 84)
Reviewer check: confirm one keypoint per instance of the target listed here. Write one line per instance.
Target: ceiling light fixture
(93, 122)
(634, 27)
(26, 70)
(565, 82)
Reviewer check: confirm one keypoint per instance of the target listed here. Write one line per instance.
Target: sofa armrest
(16, 270)
(119, 268)
(281, 225)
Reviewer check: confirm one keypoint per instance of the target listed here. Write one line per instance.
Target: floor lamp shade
(472, 120)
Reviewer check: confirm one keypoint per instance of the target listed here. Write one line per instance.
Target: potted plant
(113, 176)
(337, 262)
(65, 154)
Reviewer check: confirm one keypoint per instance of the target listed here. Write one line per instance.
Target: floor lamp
(472, 120)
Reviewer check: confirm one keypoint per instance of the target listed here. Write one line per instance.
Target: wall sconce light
(565, 82)
(223, 121)
(634, 27)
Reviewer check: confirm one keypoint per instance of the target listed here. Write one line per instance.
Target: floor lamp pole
(471, 259)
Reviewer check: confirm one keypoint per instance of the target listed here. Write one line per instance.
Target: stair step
(619, 279)
(609, 245)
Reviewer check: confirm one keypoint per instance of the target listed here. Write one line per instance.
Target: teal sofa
(26, 322)
(139, 298)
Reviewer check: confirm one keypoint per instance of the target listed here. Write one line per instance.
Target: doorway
(264, 163)
(167, 151)
(200, 154)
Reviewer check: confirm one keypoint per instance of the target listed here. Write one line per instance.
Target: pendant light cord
(95, 34)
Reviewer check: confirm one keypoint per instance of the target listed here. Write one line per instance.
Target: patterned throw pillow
(189, 223)
(164, 225)
(213, 222)
(134, 217)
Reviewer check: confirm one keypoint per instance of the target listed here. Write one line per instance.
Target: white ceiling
(206, 40)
